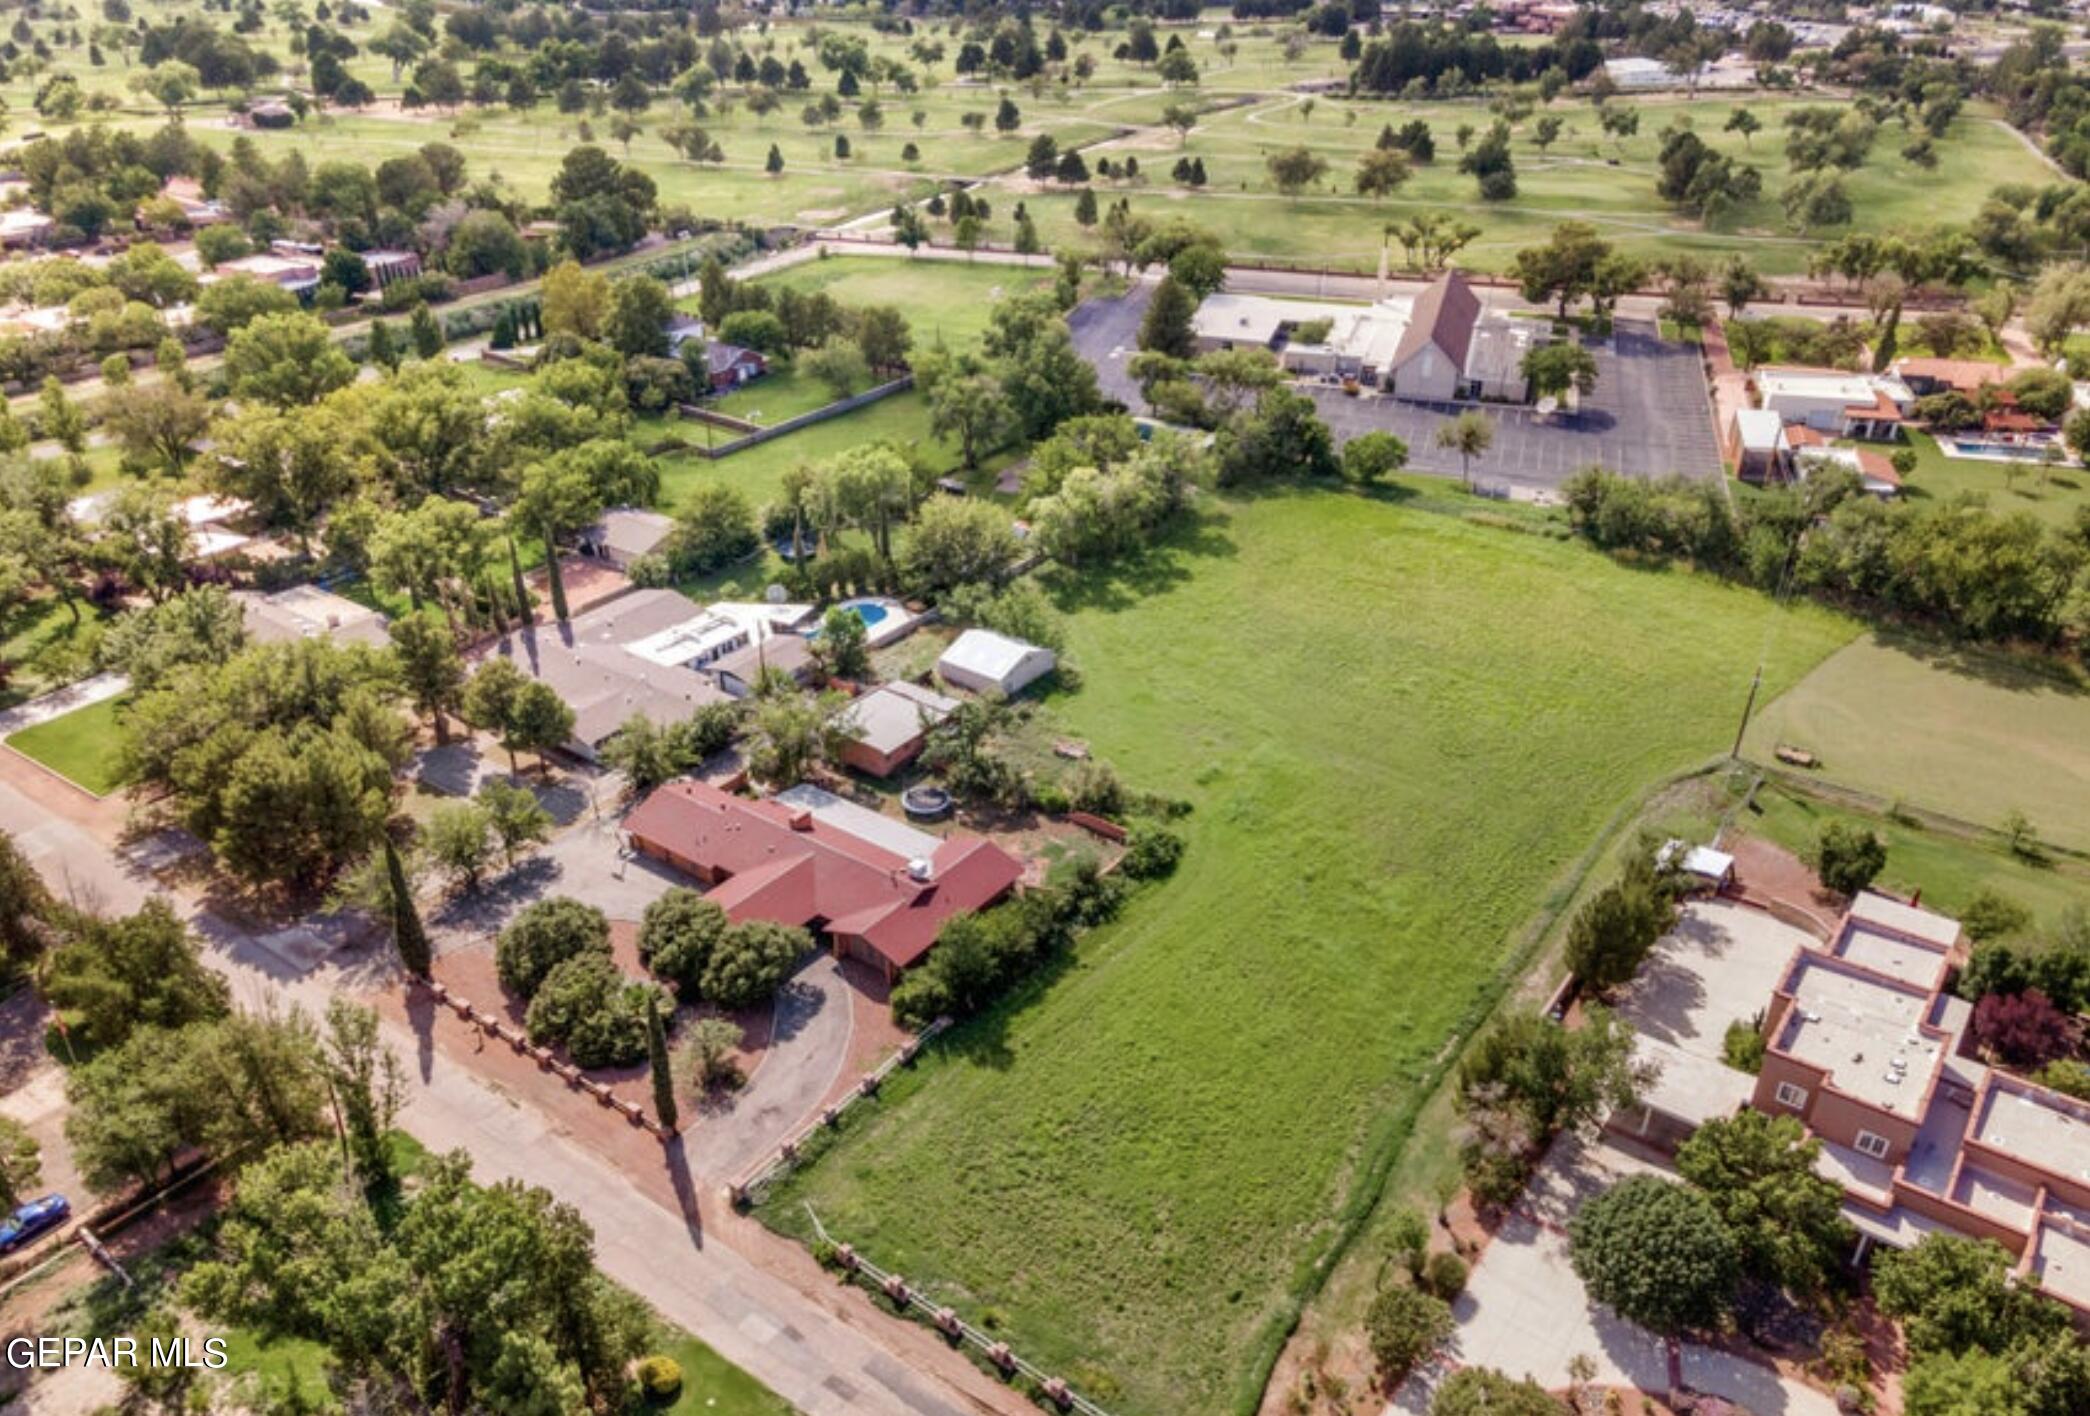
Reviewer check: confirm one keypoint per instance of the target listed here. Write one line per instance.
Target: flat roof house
(890, 724)
(1868, 1048)
(1847, 405)
(308, 612)
(1967, 376)
(822, 870)
(986, 662)
(740, 672)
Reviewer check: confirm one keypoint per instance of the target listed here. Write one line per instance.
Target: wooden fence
(906, 1298)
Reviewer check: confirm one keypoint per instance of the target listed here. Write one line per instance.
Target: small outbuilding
(986, 662)
(626, 533)
(888, 726)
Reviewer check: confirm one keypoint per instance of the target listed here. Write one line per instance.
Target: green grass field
(1250, 110)
(1393, 756)
(1967, 732)
(79, 746)
(1949, 870)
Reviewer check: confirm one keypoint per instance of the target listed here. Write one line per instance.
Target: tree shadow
(1998, 667)
(675, 1151)
(485, 908)
(1123, 583)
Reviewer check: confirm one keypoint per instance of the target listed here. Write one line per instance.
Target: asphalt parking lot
(1650, 415)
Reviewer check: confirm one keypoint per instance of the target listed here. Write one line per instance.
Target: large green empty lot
(1399, 730)
(1967, 732)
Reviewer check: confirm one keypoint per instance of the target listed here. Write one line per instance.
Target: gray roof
(308, 612)
(893, 715)
(630, 531)
(586, 664)
(788, 653)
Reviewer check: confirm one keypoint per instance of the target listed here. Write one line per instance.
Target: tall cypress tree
(407, 932)
(551, 573)
(663, 1073)
(522, 590)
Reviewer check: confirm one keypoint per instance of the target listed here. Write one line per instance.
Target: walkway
(1524, 1313)
(59, 701)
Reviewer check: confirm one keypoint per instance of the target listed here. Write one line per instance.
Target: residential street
(823, 1350)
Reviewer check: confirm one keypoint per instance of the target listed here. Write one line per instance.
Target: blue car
(33, 1219)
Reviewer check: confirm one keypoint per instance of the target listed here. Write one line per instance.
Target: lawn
(2054, 495)
(1137, 1170)
(943, 300)
(79, 746)
(1949, 870)
(44, 645)
(1967, 732)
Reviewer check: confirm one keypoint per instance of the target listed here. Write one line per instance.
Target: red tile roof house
(1865, 1045)
(769, 860)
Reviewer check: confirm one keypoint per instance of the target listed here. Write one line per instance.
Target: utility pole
(1747, 708)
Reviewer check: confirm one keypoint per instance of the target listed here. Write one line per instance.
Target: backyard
(1139, 1167)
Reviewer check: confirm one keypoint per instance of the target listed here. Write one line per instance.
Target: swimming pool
(871, 612)
(1979, 449)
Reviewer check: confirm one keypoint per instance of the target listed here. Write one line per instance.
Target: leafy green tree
(677, 935)
(286, 359)
(1786, 1219)
(132, 971)
(1482, 1391)
(958, 541)
(153, 643)
(1658, 1254)
(543, 935)
(750, 962)
(1553, 369)
(1526, 1079)
(514, 816)
(294, 466)
(1373, 457)
(21, 1163)
(458, 840)
(27, 910)
(714, 529)
(591, 1008)
(425, 332)
(843, 646)
(1295, 169)
(366, 1081)
(430, 667)
(540, 721)
(1847, 856)
(640, 308)
(1405, 1325)
(1954, 1294)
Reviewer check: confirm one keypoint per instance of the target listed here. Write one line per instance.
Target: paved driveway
(1525, 1313)
(1649, 416)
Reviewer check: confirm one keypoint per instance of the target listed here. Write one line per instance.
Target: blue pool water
(869, 611)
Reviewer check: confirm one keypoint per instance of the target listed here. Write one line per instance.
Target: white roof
(1761, 429)
(702, 634)
(1853, 389)
(1709, 863)
(990, 655)
(860, 821)
(1367, 333)
(1912, 920)
(209, 511)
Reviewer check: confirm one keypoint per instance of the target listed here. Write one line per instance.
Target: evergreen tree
(775, 162)
(1085, 207)
(427, 334)
(522, 590)
(383, 352)
(657, 1059)
(1166, 329)
(407, 933)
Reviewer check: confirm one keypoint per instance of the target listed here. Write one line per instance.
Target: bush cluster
(977, 957)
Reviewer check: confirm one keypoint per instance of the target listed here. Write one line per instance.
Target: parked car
(33, 1219)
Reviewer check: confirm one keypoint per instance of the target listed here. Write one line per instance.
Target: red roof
(1800, 435)
(1881, 409)
(2011, 420)
(1966, 375)
(1877, 466)
(787, 865)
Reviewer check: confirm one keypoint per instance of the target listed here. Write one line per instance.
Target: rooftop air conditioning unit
(920, 869)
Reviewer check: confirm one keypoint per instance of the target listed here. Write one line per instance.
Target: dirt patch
(1140, 140)
(1772, 877)
(820, 215)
